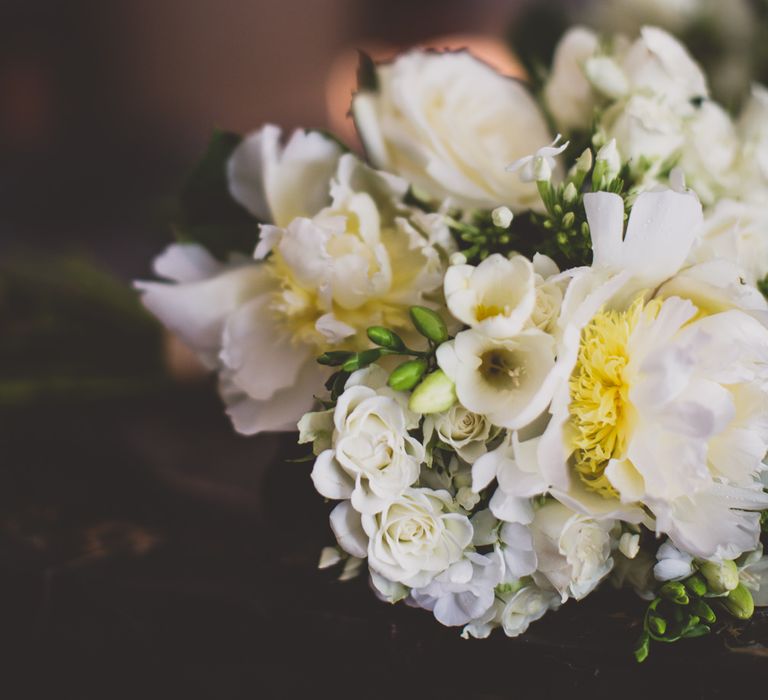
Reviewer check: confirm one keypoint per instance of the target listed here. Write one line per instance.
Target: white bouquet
(526, 367)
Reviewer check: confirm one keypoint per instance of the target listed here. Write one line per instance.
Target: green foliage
(205, 211)
(71, 331)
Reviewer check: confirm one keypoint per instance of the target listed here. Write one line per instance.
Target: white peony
(372, 459)
(573, 551)
(416, 536)
(357, 262)
(496, 297)
(737, 232)
(662, 400)
(450, 124)
(502, 379)
(279, 183)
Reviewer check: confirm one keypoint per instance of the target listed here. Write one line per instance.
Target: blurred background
(138, 533)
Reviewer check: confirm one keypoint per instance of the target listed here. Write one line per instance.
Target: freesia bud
(584, 161)
(385, 338)
(502, 217)
(429, 324)
(740, 603)
(458, 259)
(407, 375)
(435, 394)
(720, 577)
(570, 193)
(609, 154)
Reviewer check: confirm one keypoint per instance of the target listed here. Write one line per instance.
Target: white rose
(514, 612)
(496, 297)
(450, 124)
(373, 459)
(502, 379)
(416, 537)
(466, 432)
(568, 94)
(573, 551)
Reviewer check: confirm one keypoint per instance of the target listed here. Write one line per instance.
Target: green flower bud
(385, 338)
(720, 577)
(407, 375)
(675, 592)
(435, 394)
(658, 625)
(697, 631)
(703, 611)
(361, 359)
(696, 585)
(429, 324)
(641, 650)
(569, 219)
(739, 602)
(334, 358)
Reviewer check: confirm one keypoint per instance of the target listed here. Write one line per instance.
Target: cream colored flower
(450, 124)
(464, 431)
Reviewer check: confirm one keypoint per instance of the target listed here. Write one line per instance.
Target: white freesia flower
(502, 379)
(496, 297)
(373, 459)
(278, 184)
(416, 537)
(449, 124)
(656, 391)
(464, 431)
(464, 591)
(573, 551)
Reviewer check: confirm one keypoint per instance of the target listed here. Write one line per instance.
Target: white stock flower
(449, 124)
(573, 551)
(416, 537)
(661, 401)
(464, 591)
(464, 431)
(502, 379)
(372, 459)
(279, 183)
(539, 166)
(496, 297)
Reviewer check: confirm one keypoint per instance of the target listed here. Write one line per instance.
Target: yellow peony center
(601, 413)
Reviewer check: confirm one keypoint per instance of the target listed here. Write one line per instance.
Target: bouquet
(526, 336)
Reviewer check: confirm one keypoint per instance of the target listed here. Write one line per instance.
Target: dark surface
(171, 558)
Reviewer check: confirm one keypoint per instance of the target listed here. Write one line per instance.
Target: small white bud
(570, 193)
(584, 161)
(629, 545)
(502, 217)
(457, 259)
(609, 154)
(677, 180)
(542, 170)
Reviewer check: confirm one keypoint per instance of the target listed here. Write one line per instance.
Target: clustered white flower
(606, 420)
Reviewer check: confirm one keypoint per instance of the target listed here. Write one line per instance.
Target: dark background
(145, 549)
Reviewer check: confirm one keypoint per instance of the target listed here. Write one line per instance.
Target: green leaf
(206, 213)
